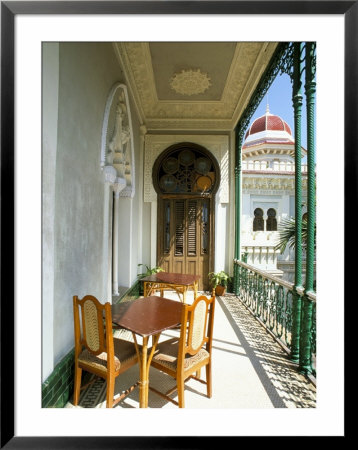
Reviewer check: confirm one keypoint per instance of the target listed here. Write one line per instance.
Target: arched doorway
(186, 177)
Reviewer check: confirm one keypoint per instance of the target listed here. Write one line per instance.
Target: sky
(279, 99)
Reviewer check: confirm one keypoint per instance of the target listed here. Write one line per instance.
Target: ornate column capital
(110, 174)
(118, 186)
(143, 130)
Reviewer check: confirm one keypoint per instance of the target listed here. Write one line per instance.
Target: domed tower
(269, 138)
(268, 189)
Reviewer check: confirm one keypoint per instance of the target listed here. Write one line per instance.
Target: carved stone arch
(258, 223)
(217, 145)
(271, 221)
(117, 149)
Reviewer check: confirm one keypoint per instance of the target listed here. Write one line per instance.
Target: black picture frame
(9, 10)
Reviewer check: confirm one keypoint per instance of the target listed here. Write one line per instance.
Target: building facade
(268, 193)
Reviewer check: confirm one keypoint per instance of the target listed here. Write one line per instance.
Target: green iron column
(305, 362)
(238, 142)
(310, 89)
(297, 105)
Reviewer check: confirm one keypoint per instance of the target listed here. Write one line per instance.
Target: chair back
(197, 321)
(90, 329)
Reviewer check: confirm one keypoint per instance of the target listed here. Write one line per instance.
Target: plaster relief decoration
(190, 82)
(190, 114)
(257, 182)
(217, 145)
(117, 152)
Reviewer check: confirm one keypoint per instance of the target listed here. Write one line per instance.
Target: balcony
(251, 361)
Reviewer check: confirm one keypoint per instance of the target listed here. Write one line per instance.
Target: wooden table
(180, 282)
(147, 316)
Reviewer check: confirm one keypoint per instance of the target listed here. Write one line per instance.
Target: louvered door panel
(192, 227)
(184, 238)
(179, 227)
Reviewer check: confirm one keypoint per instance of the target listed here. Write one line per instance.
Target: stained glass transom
(186, 171)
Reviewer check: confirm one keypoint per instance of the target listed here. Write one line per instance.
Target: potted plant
(219, 281)
(149, 271)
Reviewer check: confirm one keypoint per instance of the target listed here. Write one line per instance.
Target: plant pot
(219, 290)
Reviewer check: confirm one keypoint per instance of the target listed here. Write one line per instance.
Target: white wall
(77, 203)
(50, 77)
(221, 237)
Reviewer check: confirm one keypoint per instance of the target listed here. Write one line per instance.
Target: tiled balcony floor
(249, 370)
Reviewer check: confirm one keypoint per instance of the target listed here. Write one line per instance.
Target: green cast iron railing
(270, 300)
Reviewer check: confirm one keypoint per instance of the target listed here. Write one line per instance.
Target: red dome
(268, 122)
(268, 129)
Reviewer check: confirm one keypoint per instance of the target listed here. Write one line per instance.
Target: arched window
(271, 222)
(258, 220)
(186, 169)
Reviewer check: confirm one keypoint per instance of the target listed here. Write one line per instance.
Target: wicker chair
(182, 357)
(96, 350)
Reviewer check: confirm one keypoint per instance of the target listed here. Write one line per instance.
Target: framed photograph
(30, 343)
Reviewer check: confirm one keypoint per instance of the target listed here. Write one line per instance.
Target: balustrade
(275, 166)
(287, 310)
(263, 257)
(270, 299)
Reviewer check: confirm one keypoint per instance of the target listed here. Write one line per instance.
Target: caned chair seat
(124, 352)
(97, 350)
(167, 355)
(182, 357)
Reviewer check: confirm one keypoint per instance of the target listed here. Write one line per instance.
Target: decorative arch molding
(117, 150)
(218, 146)
(192, 170)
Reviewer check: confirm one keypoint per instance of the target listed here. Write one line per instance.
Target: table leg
(144, 364)
(150, 288)
(178, 291)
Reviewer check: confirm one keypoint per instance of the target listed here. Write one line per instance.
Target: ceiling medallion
(190, 82)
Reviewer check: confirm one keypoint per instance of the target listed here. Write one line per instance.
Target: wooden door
(185, 236)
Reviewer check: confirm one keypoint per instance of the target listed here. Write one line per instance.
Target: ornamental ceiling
(183, 86)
